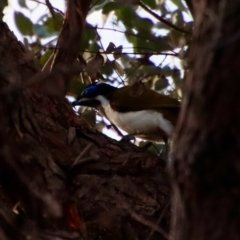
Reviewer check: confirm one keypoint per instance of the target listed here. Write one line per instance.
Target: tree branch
(152, 53)
(68, 44)
(163, 20)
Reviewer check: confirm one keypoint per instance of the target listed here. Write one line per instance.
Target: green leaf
(111, 6)
(126, 14)
(54, 25)
(88, 38)
(22, 3)
(160, 84)
(143, 25)
(160, 44)
(3, 4)
(41, 31)
(24, 24)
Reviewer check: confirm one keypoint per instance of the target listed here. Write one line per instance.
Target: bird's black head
(92, 95)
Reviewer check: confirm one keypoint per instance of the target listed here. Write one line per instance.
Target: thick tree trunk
(59, 179)
(206, 157)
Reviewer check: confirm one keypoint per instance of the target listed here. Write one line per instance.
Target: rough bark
(67, 48)
(60, 179)
(206, 157)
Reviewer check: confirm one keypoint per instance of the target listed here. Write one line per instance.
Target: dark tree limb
(205, 168)
(68, 45)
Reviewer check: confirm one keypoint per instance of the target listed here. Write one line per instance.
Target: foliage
(158, 33)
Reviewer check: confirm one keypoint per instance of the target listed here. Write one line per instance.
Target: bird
(148, 115)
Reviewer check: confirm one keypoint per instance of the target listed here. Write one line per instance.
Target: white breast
(137, 122)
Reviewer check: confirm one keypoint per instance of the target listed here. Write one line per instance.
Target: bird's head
(94, 95)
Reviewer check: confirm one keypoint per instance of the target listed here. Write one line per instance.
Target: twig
(85, 151)
(152, 53)
(159, 219)
(56, 9)
(124, 32)
(161, 19)
(50, 8)
(95, 3)
(151, 73)
(143, 221)
(115, 128)
(99, 38)
(139, 65)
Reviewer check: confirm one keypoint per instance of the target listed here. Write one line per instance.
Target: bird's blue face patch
(89, 91)
(96, 89)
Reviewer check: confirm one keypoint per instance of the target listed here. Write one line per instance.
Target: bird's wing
(123, 101)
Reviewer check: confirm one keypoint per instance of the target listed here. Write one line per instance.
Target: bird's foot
(128, 138)
(158, 149)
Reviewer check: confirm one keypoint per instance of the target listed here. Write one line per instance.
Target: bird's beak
(75, 103)
(86, 102)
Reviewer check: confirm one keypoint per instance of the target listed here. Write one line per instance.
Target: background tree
(206, 156)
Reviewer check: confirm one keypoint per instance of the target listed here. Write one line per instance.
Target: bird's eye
(84, 92)
(89, 90)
